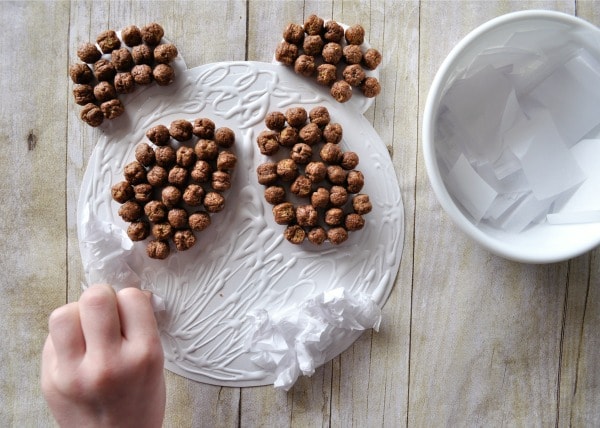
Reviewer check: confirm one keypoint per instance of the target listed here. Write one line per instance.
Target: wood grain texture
(467, 338)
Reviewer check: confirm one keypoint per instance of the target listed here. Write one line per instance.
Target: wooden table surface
(467, 338)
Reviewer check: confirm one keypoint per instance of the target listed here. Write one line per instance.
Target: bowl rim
(491, 243)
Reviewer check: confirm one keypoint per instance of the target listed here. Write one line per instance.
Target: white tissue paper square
(298, 339)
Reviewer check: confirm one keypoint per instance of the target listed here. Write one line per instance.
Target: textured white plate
(241, 262)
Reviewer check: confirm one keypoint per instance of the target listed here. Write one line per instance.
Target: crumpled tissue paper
(104, 249)
(298, 339)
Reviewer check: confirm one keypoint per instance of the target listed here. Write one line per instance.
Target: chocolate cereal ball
(317, 235)
(302, 186)
(275, 195)
(284, 213)
(319, 115)
(352, 54)
(341, 91)
(184, 239)
(275, 120)
(214, 202)
(204, 128)
(122, 192)
(134, 172)
(104, 91)
(156, 211)
(331, 153)
(294, 234)
(313, 45)
(336, 174)
(354, 221)
(178, 218)
(162, 231)
(142, 74)
(326, 74)
(337, 235)
(152, 33)
(130, 211)
(286, 53)
(87, 52)
(206, 149)
(143, 192)
(320, 198)
(112, 108)
(159, 135)
(301, 153)
(307, 215)
(171, 196)
(108, 41)
(338, 196)
(226, 160)
(163, 74)
(157, 249)
(372, 59)
(316, 171)
(92, 114)
(355, 181)
(165, 156)
(313, 25)
(370, 87)
(201, 172)
(332, 53)
(355, 35)
(310, 134)
(287, 169)
(267, 173)
(83, 94)
(288, 136)
(181, 130)
(268, 142)
(142, 54)
(122, 59)
(124, 83)
(349, 160)
(305, 65)
(80, 73)
(296, 116)
(131, 35)
(332, 133)
(221, 181)
(334, 32)
(178, 176)
(104, 70)
(138, 230)
(293, 33)
(354, 74)
(185, 156)
(193, 195)
(199, 221)
(224, 137)
(334, 216)
(361, 204)
(165, 53)
(157, 175)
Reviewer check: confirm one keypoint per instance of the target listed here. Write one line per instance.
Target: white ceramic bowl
(541, 241)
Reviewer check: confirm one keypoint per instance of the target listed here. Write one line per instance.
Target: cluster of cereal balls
(115, 66)
(324, 50)
(172, 187)
(318, 174)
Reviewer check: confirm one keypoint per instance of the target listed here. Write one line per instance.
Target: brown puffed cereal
(332, 53)
(184, 239)
(165, 53)
(152, 33)
(162, 231)
(178, 218)
(302, 186)
(349, 160)
(124, 83)
(156, 211)
(206, 149)
(267, 173)
(286, 53)
(275, 120)
(332, 133)
(370, 87)
(355, 35)
(163, 74)
(334, 32)
(301, 153)
(157, 175)
(305, 65)
(336, 174)
(171, 196)
(354, 221)
(295, 234)
(142, 54)
(320, 198)
(307, 215)
(88, 52)
(199, 221)
(331, 153)
(108, 41)
(80, 73)
(181, 129)
(104, 70)
(284, 213)
(214, 202)
(226, 160)
(122, 59)
(337, 235)
(313, 45)
(201, 172)
(112, 108)
(130, 211)
(185, 156)
(224, 137)
(134, 172)
(165, 156)
(159, 135)
(293, 33)
(296, 116)
(122, 192)
(138, 230)
(268, 142)
(352, 54)
(361, 204)
(316, 171)
(355, 181)
(313, 25)
(83, 94)
(178, 176)
(158, 249)
(288, 136)
(131, 35)
(104, 91)
(341, 91)
(193, 195)
(275, 194)
(334, 216)
(143, 192)
(204, 128)
(287, 169)
(319, 115)
(317, 235)
(326, 74)
(221, 181)
(91, 114)
(338, 196)
(372, 59)
(310, 134)
(354, 74)
(142, 74)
